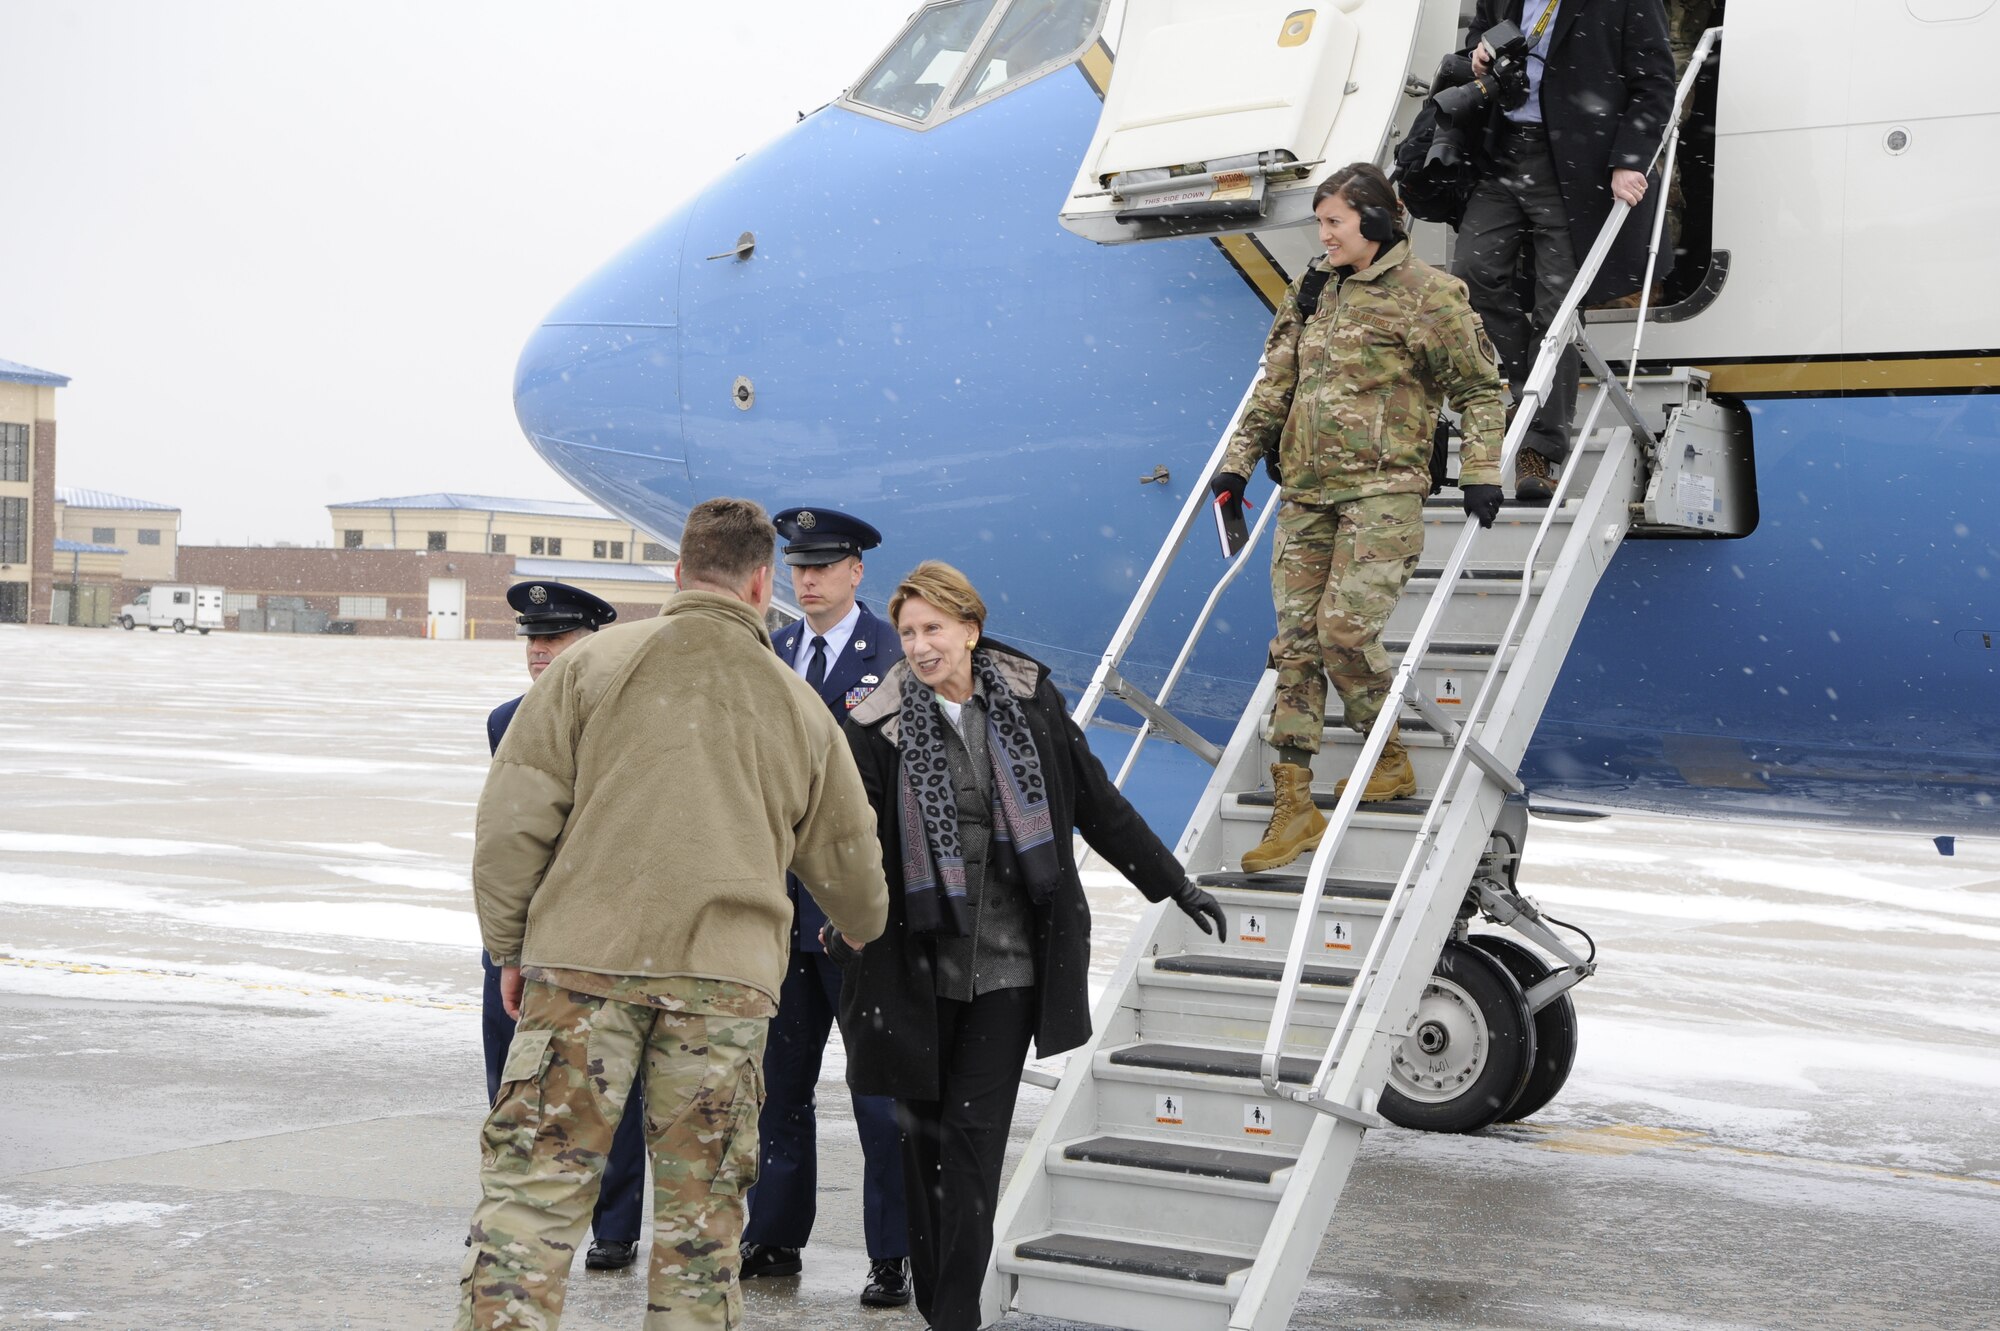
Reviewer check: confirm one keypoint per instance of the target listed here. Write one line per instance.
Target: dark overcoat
(1607, 89)
(888, 998)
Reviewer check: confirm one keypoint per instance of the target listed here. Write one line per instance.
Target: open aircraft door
(1223, 115)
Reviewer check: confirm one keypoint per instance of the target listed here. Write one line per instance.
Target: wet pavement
(239, 1040)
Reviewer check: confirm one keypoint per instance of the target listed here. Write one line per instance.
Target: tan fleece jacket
(654, 787)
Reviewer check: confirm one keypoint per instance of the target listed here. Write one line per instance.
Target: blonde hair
(944, 587)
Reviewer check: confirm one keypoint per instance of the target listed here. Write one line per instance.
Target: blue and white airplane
(881, 312)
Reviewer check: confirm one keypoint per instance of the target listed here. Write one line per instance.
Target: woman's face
(1340, 234)
(938, 647)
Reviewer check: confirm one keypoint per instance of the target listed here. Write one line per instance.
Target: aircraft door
(1222, 115)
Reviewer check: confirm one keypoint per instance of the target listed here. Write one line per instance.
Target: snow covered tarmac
(239, 1046)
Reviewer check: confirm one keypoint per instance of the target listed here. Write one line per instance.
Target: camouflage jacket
(1350, 397)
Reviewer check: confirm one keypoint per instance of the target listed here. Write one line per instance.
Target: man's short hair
(725, 541)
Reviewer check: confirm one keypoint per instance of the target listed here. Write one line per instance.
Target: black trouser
(954, 1147)
(1523, 205)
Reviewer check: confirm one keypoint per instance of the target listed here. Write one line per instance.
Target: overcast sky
(288, 252)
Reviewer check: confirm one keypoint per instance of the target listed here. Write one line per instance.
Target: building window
(350, 539)
(235, 603)
(13, 602)
(652, 552)
(537, 545)
(599, 549)
(364, 607)
(499, 545)
(555, 547)
(149, 536)
(618, 549)
(13, 531)
(434, 541)
(13, 452)
(103, 535)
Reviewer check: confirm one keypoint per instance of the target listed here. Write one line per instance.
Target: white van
(179, 608)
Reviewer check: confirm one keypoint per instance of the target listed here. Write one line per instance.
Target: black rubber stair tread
(1138, 1259)
(1176, 1158)
(1438, 648)
(1353, 888)
(1326, 799)
(1211, 1062)
(1247, 968)
(1514, 508)
(1473, 574)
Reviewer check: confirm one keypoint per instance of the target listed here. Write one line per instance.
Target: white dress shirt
(836, 640)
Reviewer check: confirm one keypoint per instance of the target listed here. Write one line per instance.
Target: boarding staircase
(1196, 1149)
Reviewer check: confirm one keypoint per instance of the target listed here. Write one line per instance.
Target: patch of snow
(54, 1220)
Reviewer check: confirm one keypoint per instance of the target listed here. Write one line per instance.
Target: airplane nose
(596, 389)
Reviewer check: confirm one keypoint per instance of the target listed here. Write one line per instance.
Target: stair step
(1442, 648)
(1138, 1259)
(1211, 1062)
(1248, 968)
(1354, 888)
(1474, 574)
(1326, 799)
(1178, 1158)
(1510, 511)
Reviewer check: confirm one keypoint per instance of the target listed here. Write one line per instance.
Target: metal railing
(1565, 329)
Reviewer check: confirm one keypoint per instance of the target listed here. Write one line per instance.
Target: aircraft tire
(202, 632)
(180, 626)
(1470, 1052)
(1555, 1026)
(126, 622)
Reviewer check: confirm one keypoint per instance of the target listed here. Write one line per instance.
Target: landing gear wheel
(1466, 1059)
(180, 626)
(202, 632)
(1555, 1026)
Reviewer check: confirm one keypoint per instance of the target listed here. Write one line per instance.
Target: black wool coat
(888, 997)
(1607, 89)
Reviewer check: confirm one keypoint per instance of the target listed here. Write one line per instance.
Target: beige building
(27, 492)
(149, 533)
(489, 525)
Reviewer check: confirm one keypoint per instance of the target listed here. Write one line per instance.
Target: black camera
(1460, 97)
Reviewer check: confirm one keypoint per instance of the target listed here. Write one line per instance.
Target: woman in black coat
(978, 778)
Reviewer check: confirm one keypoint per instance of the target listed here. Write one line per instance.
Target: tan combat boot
(1296, 822)
(1394, 778)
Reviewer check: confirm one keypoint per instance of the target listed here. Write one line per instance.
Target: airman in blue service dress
(844, 664)
(543, 610)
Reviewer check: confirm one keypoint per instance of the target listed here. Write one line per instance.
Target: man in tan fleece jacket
(629, 866)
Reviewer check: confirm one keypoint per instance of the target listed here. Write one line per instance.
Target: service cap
(822, 536)
(546, 608)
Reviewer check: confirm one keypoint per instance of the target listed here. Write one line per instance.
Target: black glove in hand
(1201, 907)
(1482, 502)
(1228, 486)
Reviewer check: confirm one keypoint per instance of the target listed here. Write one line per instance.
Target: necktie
(816, 666)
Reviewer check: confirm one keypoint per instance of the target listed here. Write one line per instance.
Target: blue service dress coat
(621, 1196)
(784, 1203)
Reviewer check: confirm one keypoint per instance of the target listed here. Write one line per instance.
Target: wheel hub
(1446, 1050)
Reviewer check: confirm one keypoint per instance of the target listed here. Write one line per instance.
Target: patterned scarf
(1024, 843)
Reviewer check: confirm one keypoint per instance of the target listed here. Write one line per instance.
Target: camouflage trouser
(1336, 572)
(572, 1062)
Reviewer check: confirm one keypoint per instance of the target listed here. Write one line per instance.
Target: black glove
(1201, 907)
(1228, 486)
(1271, 468)
(1482, 502)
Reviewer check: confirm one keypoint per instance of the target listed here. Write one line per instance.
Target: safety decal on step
(1450, 693)
(1250, 927)
(1168, 1108)
(1257, 1119)
(1339, 936)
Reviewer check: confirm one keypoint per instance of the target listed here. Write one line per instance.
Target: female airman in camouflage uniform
(1367, 346)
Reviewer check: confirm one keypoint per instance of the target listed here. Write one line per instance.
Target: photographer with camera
(1575, 95)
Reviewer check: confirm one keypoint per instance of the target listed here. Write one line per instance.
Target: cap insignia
(807, 521)
(538, 594)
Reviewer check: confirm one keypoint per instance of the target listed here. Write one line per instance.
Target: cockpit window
(1033, 33)
(914, 75)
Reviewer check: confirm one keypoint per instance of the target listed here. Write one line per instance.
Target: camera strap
(1542, 23)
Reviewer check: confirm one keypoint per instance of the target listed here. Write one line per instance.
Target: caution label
(1339, 935)
(1450, 691)
(1250, 927)
(1168, 1109)
(1257, 1119)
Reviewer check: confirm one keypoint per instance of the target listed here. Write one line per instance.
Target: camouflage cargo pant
(1336, 574)
(572, 1062)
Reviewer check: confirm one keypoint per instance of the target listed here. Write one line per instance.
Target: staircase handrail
(1563, 329)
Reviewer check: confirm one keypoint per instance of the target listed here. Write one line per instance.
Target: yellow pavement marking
(266, 986)
(1619, 1139)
